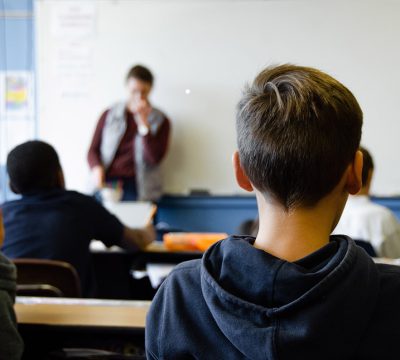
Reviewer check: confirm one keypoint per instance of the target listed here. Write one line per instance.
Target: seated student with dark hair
(294, 291)
(365, 220)
(11, 345)
(49, 222)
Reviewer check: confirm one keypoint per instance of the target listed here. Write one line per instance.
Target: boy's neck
(292, 235)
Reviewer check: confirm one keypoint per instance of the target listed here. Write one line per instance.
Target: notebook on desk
(134, 214)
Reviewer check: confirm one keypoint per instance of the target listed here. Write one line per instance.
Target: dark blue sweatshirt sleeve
(11, 345)
(104, 225)
(154, 323)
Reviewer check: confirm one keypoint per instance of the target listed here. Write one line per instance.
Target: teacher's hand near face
(142, 110)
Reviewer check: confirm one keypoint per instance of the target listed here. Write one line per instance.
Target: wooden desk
(82, 312)
(50, 324)
(157, 246)
(154, 247)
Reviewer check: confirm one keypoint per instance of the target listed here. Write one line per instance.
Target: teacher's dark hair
(297, 131)
(33, 167)
(141, 73)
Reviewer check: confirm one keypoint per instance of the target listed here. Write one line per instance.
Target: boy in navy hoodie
(294, 291)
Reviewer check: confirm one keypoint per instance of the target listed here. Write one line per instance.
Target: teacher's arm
(156, 145)
(94, 156)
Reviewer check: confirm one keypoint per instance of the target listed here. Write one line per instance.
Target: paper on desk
(157, 273)
(134, 214)
(96, 245)
(387, 261)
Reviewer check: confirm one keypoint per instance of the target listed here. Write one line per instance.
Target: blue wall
(206, 213)
(16, 54)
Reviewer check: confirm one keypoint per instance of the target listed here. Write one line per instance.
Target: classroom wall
(211, 48)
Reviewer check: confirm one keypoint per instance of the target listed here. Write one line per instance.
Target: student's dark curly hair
(32, 167)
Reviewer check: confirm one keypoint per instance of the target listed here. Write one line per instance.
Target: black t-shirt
(59, 225)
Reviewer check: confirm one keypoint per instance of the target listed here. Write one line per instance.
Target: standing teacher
(130, 140)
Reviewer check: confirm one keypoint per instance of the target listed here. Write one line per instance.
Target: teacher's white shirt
(362, 219)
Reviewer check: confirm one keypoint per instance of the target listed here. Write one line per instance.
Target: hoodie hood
(8, 275)
(290, 308)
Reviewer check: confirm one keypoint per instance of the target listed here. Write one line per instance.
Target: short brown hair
(141, 73)
(297, 131)
(368, 165)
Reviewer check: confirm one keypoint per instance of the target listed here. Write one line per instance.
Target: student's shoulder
(180, 292)
(79, 197)
(187, 268)
(8, 274)
(82, 203)
(379, 210)
(389, 270)
(380, 339)
(11, 203)
(387, 219)
(180, 288)
(185, 274)
(389, 280)
(9, 207)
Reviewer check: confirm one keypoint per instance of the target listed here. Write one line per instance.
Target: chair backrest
(38, 290)
(367, 247)
(37, 277)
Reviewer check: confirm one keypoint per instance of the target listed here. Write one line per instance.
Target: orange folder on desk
(191, 241)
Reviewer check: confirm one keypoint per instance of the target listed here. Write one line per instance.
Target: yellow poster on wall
(17, 89)
(16, 92)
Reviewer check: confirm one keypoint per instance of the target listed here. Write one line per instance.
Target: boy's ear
(354, 177)
(13, 188)
(241, 178)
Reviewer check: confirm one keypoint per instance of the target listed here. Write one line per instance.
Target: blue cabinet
(221, 213)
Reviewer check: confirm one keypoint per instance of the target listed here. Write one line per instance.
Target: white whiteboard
(213, 48)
